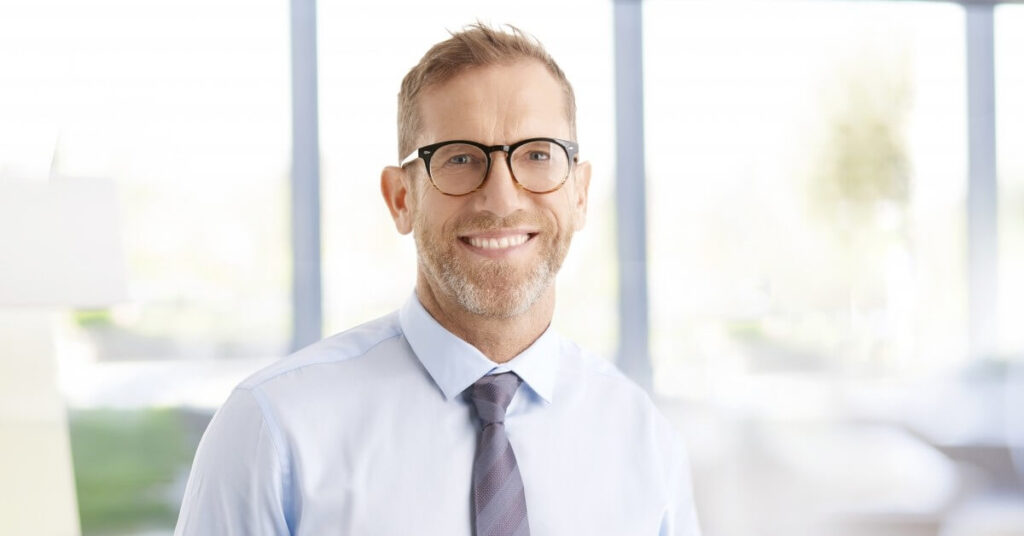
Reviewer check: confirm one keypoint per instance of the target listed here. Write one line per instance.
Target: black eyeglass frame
(424, 153)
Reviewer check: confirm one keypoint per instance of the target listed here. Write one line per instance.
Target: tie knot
(492, 394)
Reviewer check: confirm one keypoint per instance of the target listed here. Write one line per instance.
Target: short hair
(477, 45)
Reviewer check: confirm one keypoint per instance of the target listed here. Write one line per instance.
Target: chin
(502, 301)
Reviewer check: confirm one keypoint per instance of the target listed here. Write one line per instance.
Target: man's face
(496, 251)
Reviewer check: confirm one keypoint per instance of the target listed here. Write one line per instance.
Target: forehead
(495, 104)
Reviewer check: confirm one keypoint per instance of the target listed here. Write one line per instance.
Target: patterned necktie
(499, 503)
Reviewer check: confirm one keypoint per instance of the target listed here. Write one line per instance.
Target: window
(184, 105)
(192, 123)
(807, 179)
(1009, 21)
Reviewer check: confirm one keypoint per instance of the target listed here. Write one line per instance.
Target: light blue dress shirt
(368, 433)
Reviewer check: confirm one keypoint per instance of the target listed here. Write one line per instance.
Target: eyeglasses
(460, 167)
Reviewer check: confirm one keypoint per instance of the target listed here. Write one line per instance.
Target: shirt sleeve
(236, 486)
(681, 514)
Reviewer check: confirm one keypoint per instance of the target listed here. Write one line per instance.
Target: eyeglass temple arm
(412, 156)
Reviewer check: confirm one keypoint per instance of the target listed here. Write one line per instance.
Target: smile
(491, 243)
(498, 243)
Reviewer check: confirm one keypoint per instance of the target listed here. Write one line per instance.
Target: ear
(580, 188)
(397, 195)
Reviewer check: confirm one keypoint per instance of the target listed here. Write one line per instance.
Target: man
(462, 413)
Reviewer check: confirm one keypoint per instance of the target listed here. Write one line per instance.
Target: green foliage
(859, 188)
(746, 330)
(863, 162)
(125, 463)
(93, 317)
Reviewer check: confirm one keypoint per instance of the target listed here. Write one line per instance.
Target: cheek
(564, 210)
(436, 218)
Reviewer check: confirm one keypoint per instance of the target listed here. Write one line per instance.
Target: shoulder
(599, 384)
(350, 349)
(599, 376)
(608, 387)
(624, 411)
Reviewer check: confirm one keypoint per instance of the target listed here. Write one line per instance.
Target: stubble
(491, 288)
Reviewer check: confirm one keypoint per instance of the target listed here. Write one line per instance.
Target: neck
(500, 339)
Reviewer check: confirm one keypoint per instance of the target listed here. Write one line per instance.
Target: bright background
(807, 182)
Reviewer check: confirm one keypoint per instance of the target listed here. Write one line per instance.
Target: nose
(500, 194)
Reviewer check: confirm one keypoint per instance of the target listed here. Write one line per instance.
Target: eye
(460, 159)
(537, 156)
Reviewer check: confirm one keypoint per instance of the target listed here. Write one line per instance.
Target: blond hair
(477, 45)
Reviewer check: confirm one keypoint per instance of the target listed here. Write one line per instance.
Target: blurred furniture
(59, 247)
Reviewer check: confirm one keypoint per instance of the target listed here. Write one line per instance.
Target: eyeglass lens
(538, 166)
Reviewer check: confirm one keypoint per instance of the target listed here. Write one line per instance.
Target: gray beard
(489, 288)
(499, 302)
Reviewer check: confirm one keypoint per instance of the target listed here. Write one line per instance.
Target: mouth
(495, 244)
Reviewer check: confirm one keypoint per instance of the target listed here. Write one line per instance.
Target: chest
(389, 470)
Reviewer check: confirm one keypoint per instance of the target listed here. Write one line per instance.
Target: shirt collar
(454, 364)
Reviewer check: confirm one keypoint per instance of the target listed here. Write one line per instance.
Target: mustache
(488, 221)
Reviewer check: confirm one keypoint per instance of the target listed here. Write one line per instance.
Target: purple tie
(499, 503)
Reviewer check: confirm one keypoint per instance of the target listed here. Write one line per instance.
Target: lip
(464, 240)
(500, 233)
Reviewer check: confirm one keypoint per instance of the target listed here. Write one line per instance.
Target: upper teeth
(498, 243)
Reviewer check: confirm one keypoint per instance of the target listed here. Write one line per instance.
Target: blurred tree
(859, 189)
(862, 166)
(129, 466)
